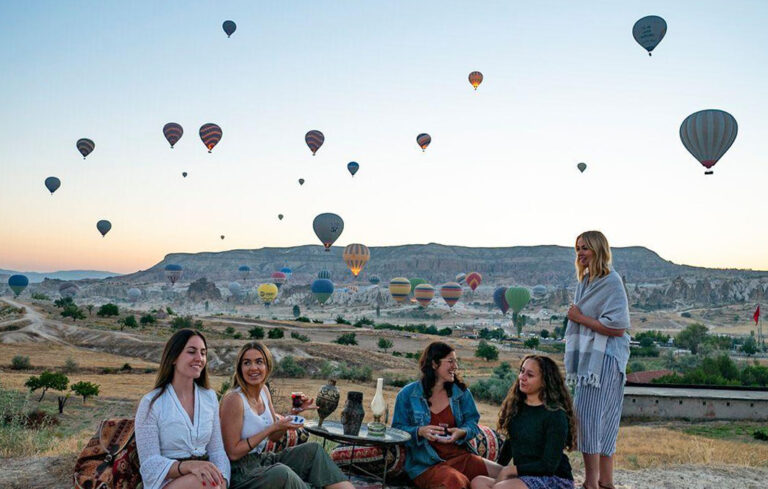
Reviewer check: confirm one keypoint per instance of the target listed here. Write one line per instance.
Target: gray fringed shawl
(604, 299)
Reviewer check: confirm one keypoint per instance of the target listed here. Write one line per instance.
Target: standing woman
(178, 436)
(439, 413)
(596, 354)
(249, 419)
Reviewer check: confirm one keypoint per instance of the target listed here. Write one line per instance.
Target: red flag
(756, 316)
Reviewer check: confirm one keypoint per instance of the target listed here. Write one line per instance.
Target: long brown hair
(434, 352)
(237, 378)
(173, 349)
(554, 394)
(600, 266)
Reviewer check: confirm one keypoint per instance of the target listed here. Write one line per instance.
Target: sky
(564, 82)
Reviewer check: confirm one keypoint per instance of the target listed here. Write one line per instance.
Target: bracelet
(248, 441)
(178, 467)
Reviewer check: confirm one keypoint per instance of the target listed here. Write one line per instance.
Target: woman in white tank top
(248, 420)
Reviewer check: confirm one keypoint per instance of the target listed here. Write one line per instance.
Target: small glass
(296, 400)
(445, 433)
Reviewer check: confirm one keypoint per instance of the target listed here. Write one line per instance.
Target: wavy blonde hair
(600, 266)
(238, 380)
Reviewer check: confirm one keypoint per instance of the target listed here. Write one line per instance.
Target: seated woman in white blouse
(178, 435)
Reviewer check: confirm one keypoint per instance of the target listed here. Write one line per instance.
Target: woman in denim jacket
(439, 413)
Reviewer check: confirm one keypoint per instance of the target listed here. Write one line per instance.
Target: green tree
(257, 332)
(691, 337)
(385, 344)
(47, 380)
(544, 333)
(85, 389)
(750, 345)
(346, 339)
(108, 309)
(147, 319)
(532, 343)
(486, 351)
(63, 302)
(74, 312)
(275, 334)
(90, 309)
(128, 322)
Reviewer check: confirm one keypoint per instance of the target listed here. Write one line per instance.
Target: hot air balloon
(52, 184)
(707, 135)
(356, 255)
(235, 289)
(353, 166)
(423, 140)
(287, 271)
(18, 283)
(500, 300)
(314, 140)
(211, 135)
(222, 236)
(423, 293)
(85, 146)
(173, 133)
(244, 271)
(267, 293)
(451, 292)
(539, 291)
(184, 174)
(301, 181)
(173, 273)
(103, 226)
(280, 216)
(581, 167)
(278, 278)
(328, 228)
(322, 289)
(475, 78)
(399, 288)
(517, 298)
(474, 280)
(68, 289)
(134, 294)
(229, 27)
(460, 277)
(649, 31)
(324, 274)
(374, 279)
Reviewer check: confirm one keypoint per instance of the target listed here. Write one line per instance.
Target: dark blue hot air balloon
(322, 289)
(500, 299)
(103, 226)
(353, 166)
(18, 283)
(52, 184)
(173, 272)
(229, 27)
(287, 271)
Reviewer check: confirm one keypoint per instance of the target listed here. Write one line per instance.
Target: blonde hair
(237, 378)
(600, 264)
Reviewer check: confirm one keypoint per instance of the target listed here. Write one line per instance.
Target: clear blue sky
(564, 82)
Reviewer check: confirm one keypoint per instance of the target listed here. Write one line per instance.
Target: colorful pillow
(290, 439)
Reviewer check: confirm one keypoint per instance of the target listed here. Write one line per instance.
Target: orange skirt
(454, 473)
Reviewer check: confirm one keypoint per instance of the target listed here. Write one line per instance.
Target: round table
(332, 430)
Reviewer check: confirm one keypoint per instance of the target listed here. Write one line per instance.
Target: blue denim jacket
(412, 412)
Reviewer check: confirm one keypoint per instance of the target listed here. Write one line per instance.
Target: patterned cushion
(290, 439)
(487, 443)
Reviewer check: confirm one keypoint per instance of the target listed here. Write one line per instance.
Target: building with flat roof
(695, 402)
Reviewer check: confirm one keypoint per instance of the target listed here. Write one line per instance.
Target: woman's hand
(306, 404)
(430, 432)
(285, 423)
(508, 472)
(574, 314)
(206, 472)
(456, 435)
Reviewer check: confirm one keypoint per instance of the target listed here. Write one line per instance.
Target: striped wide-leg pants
(599, 410)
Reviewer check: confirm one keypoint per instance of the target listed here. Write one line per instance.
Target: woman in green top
(539, 423)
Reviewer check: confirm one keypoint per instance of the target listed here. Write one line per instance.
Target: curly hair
(433, 353)
(554, 394)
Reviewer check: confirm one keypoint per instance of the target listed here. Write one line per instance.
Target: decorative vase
(378, 408)
(327, 401)
(353, 413)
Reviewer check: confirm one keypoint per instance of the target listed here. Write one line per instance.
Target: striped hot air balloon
(210, 134)
(475, 78)
(460, 277)
(424, 293)
(451, 292)
(324, 274)
(85, 146)
(474, 280)
(423, 140)
(707, 135)
(399, 288)
(356, 255)
(173, 133)
(278, 278)
(314, 140)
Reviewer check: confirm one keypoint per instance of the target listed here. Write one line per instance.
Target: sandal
(606, 486)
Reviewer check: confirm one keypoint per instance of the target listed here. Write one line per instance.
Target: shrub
(225, 386)
(385, 344)
(487, 334)
(169, 311)
(73, 312)
(147, 319)
(40, 297)
(108, 309)
(346, 339)
(256, 333)
(346, 372)
(544, 333)
(363, 321)
(126, 367)
(495, 388)
(486, 351)
(70, 366)
(686, 314)
(300, 337)
(63, 302)
(644, 351)
(287, 367)
(229, 331)
(180, 322)
(237, 335)
(317, 321)
(85, 389)
(20, 362)
(129, 322)
(531, 343)
(398, 382)
(445, 332)
(761, 435)
(340, 320)
(275, 334)
(303, 319)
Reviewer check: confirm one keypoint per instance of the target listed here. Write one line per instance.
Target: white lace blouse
(166, 434)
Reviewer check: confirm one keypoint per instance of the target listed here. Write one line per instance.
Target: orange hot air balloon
(399, 288)
(474, 280)
(356, 255)
(424, 294)
(475, 78)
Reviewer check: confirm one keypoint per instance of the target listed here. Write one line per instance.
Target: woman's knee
(283, 476)
(482, 482)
